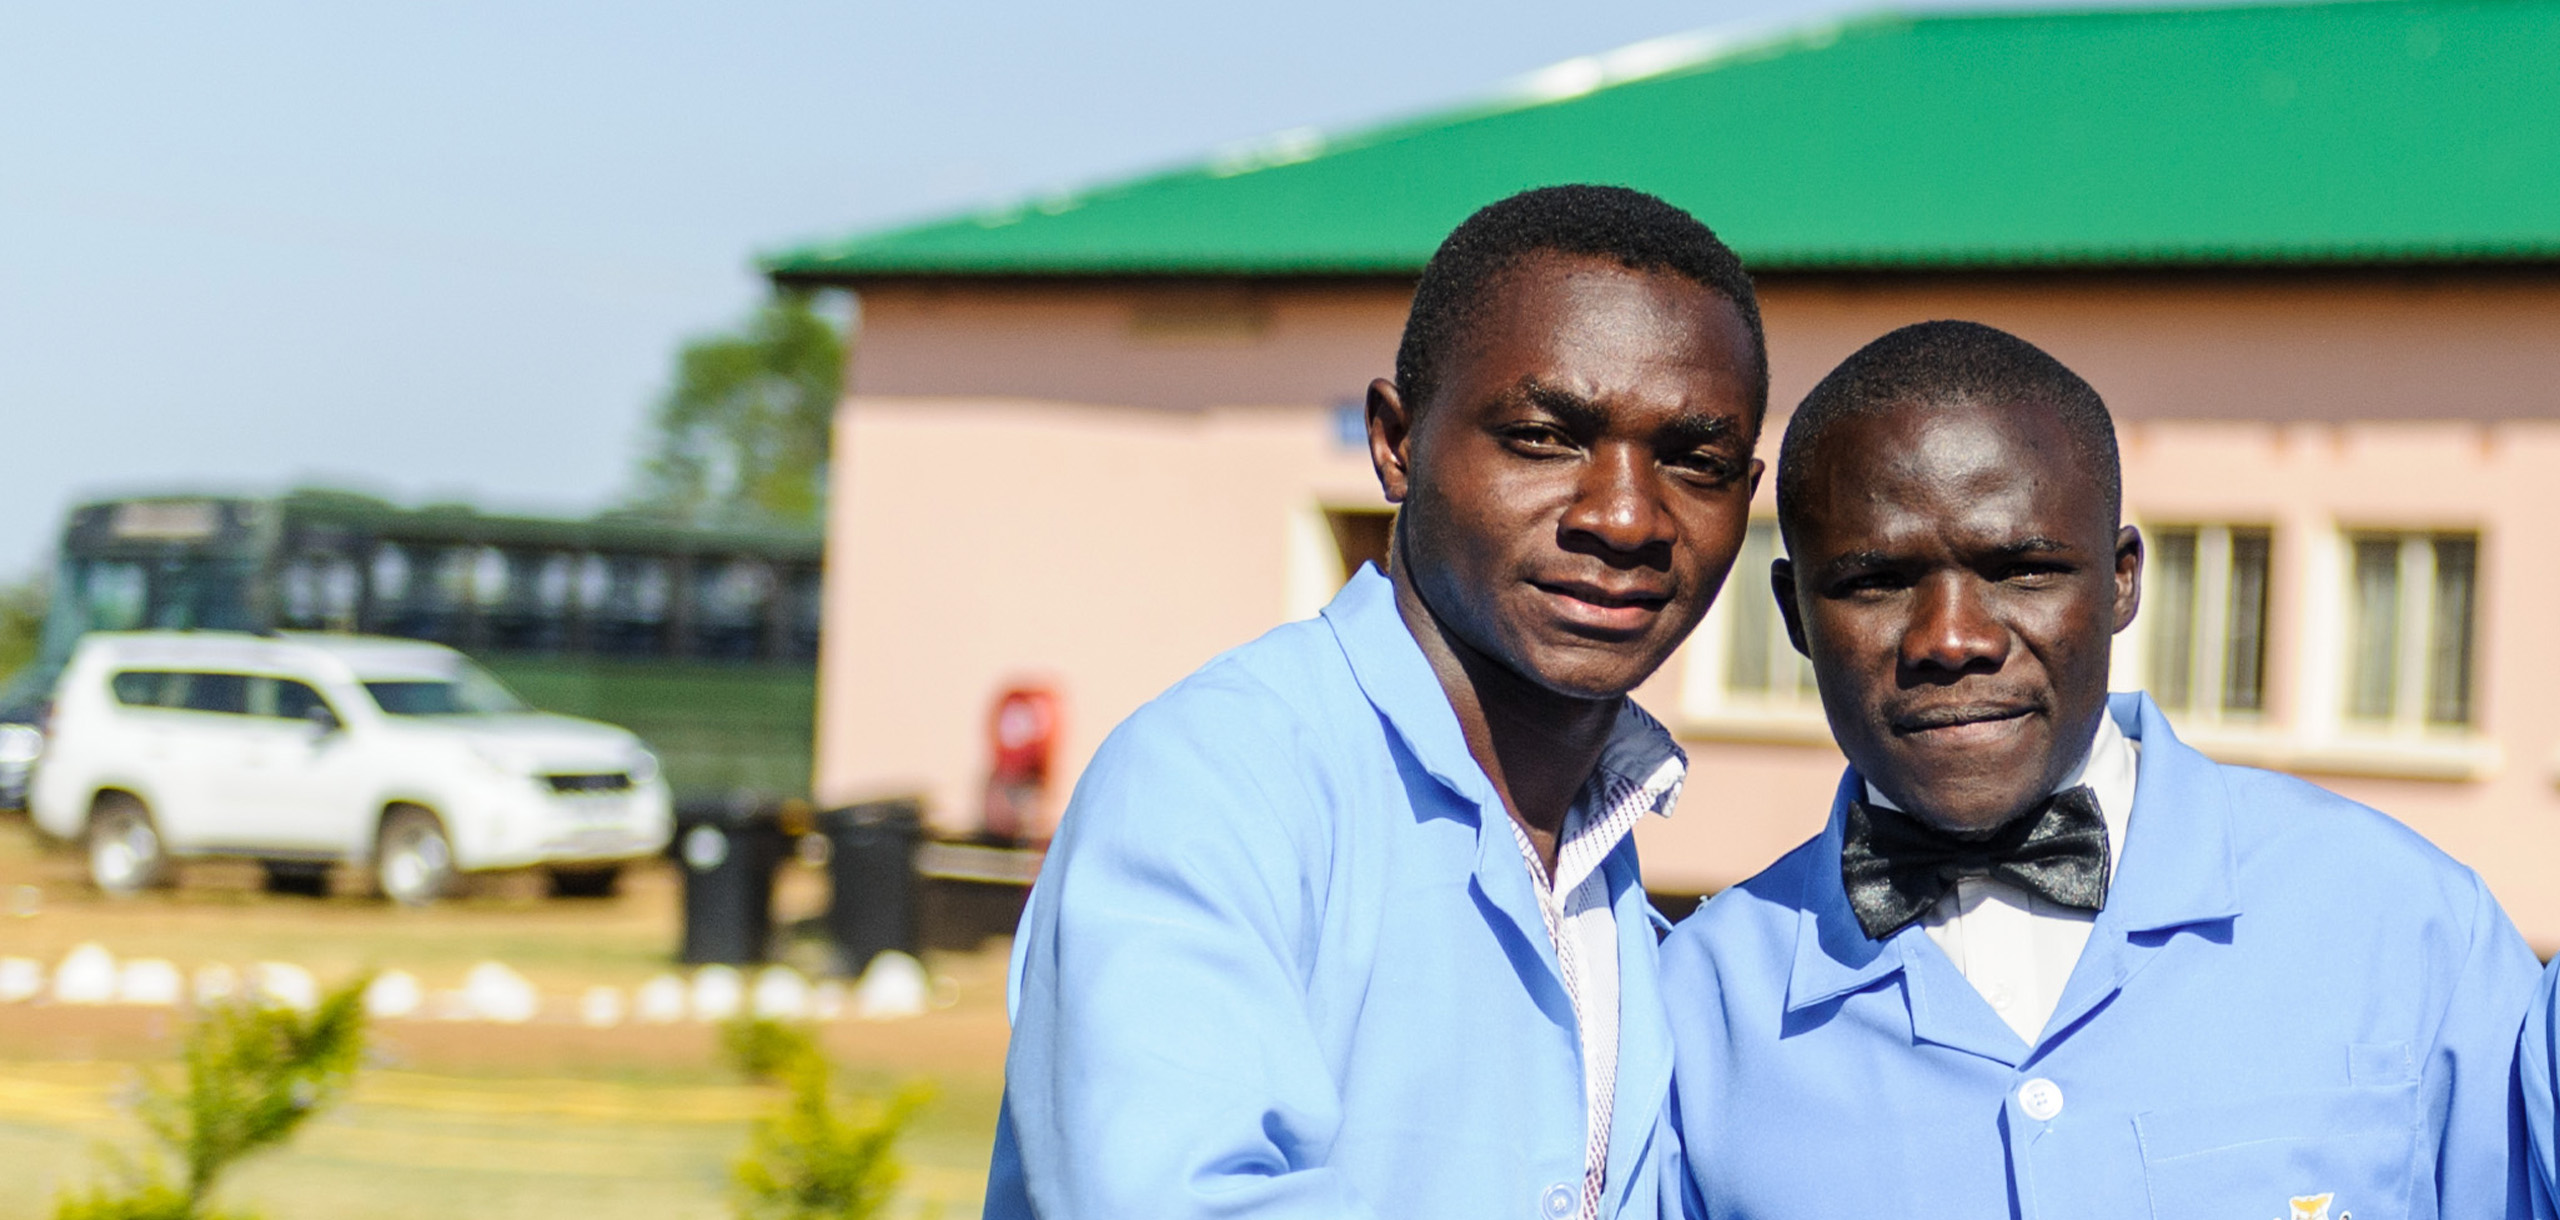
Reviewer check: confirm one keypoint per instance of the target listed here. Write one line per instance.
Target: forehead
(1594, 319)
(1965, 470)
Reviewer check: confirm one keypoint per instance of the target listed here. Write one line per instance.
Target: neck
(1538, 747)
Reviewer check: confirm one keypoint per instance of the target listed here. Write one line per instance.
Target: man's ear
(1782, 585)
(1390, 440)
(2128, 575)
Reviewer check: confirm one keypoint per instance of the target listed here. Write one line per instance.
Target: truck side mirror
(322, 721)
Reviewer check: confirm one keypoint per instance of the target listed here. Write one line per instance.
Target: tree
(814, 1157)
(22, 605)
(741, 436)
(255, 1072)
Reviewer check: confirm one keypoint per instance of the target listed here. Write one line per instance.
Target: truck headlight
(20, 744)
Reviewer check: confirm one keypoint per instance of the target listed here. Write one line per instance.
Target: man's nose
(1618, 502)
(1953, 628)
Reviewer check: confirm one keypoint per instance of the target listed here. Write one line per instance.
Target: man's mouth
(1962, 723)
(1628, 607)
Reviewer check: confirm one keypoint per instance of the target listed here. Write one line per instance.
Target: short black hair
(1639, 231)
(1945, 364)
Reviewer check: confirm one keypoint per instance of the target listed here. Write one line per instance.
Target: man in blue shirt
(1347, 924)
(2046, 960)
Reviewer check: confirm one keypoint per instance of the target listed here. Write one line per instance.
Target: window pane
(141, 688)
(2373, 662)
(215, 693)
(2244, 654)
(2173, 617)
(1747, 665)
(295, 699)
(113, 594)
(2449, 645)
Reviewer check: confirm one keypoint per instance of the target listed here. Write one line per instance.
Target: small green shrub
(251, 1076)
(815, 1157)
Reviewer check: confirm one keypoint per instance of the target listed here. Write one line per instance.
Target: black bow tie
(1896, 867)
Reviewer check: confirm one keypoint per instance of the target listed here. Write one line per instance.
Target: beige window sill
(2464, 758)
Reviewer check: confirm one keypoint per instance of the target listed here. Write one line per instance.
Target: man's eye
(1712, 468)
(2034, 573)
(1868, 583)
(1537, 438)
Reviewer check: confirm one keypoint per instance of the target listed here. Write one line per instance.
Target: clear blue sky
(446, 251)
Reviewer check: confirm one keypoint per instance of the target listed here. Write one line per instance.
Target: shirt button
(1558, 1201)
(1999, 997)
(2040, 1098)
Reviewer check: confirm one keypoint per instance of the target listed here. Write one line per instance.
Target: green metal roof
(2376, 131)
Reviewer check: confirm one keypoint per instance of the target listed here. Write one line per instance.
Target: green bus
(702, 641)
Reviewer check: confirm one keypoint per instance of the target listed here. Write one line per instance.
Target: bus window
(113, 595)
(489, 578)
(525, 606)
(806, 613)
(207, 594)
(390, 575)
(632, 619)
(729, 599)
(595, 583)
(318, 592)
(551, 585)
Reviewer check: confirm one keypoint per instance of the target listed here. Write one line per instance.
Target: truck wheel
(591, 882)
(413, 863)
(126, 855)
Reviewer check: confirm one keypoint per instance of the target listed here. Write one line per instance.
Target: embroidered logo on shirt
(2315, 1207)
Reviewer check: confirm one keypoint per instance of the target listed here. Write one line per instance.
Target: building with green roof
(2311, 135)
(2309, 253)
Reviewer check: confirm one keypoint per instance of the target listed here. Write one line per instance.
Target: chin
(1576, 678)
(1973, 810)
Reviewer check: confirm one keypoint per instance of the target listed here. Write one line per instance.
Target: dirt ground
(543, 1119)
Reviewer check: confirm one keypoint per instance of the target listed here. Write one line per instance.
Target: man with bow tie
(2045, 960)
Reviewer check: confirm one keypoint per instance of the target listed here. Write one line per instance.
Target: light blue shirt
(1284, 961)
(2541, 1089)
(2287, 996)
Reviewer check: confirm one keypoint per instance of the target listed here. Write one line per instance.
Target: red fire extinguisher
(1022, 736)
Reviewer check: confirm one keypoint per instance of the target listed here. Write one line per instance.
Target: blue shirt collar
(2177, 865)
(1397, 678)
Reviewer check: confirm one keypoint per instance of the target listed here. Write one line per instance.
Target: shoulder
(2315, 847)
(1242, 744)
(1266, 703)
(1749, 926)
(2288, 829)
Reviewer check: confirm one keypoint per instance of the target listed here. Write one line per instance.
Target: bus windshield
(469, 691)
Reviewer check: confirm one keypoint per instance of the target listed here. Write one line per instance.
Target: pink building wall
(1104, 485)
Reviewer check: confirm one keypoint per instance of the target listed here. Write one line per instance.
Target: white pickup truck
(305, 750)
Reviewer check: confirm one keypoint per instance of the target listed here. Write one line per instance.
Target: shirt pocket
(2276, 1157)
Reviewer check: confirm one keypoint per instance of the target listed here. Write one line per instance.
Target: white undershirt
(1640, 772)
(2015, 947)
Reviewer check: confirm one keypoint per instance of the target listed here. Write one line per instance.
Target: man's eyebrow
(1577, 413)
(1854, 561)
(1583, 415)
(1692, 431)
(2034, 545)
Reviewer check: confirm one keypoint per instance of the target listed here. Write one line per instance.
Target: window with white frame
(1761, 666)
(2206, 603)
(2411, 605)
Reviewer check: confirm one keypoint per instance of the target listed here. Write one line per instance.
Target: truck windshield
(470, 691)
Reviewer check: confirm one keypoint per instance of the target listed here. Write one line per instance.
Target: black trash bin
(871, 867)
(727, 849)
